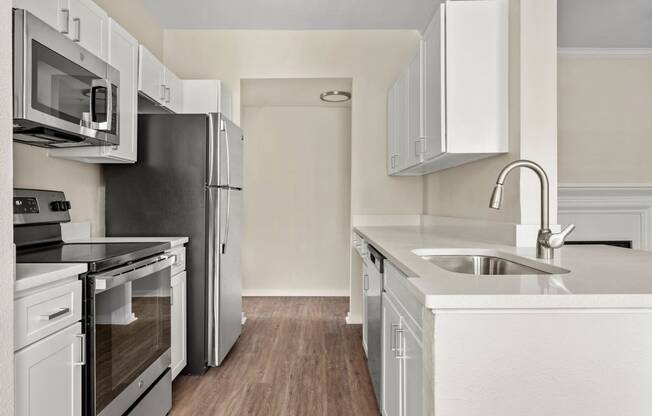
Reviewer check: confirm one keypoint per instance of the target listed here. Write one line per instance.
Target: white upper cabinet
(206, 96)
(158, 83)
(434, 84)
(173, 92)
(151, 76)
(392, 139)
(123, 55)
(457, 89)
(83, 21)
(88, 25)
(54, 13)
(415, 116)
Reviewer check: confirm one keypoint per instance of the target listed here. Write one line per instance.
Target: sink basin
(486, 263)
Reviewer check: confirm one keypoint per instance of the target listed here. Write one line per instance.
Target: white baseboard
(353, 319)
(295, 293)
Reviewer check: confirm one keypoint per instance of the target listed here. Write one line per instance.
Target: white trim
(594, 203)
(283, 293)
(353, 320)
(624, 52)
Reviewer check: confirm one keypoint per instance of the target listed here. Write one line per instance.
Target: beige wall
(296, 200)
(372, 59)
(82, 182)
(464, 191)
(605, 119)
(137, 20)
(6, 219)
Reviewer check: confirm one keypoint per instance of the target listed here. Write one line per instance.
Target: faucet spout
(546, 240)
(496, 198)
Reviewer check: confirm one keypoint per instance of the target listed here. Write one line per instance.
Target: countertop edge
(513, 302)
(31, 281)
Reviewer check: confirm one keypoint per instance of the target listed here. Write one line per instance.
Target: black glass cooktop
(99, 256)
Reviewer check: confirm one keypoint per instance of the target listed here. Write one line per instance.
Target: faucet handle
(557, 240)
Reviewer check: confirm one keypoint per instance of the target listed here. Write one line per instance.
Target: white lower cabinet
(48, 375)
(178, 327)
(402, 348)
(392, 377)
(412, 358)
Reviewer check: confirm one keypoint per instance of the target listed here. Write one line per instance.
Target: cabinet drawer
(179, 264)
(395, 283)
(43, 313)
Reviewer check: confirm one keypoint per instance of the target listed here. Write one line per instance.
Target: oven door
(64, 96)
(131, 332)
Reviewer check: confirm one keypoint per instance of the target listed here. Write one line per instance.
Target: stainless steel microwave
(64, 96)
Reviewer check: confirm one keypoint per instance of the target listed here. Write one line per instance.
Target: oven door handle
(131, 272)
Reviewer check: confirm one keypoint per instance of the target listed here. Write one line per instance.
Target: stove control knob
(58, 206)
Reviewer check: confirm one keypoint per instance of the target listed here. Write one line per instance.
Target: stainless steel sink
(486, 263)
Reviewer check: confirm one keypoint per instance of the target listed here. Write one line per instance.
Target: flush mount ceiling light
(335, 96)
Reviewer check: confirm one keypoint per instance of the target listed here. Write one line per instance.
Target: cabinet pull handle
(365, 280)
(55, 315)
(82, 361)
(167, 95)
(398, 352)
(163, 92)
(77, 22)
(66, 21)
(393, 339)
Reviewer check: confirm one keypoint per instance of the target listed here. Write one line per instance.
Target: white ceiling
(605, 23)
(291, 91)
(293, 14)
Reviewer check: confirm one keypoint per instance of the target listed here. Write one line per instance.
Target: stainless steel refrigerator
(188, 182)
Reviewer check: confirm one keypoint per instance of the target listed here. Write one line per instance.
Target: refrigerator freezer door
(225, 152)
(225, 277)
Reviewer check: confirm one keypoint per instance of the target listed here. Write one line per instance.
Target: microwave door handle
(95, 85)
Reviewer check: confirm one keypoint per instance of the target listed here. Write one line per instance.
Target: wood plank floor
(296, 356)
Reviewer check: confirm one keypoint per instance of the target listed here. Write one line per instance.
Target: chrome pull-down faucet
(547, 241)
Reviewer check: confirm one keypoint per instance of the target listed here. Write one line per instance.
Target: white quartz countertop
(174, 241)
(31, 275)
(599, 277)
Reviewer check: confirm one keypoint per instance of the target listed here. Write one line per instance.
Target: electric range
(126, 307)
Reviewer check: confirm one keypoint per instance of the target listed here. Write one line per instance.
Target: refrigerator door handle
(228, 154)
(211, 148)
(228, 220)
(213, 258)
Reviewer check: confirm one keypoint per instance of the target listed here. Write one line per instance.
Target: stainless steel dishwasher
(373, 289)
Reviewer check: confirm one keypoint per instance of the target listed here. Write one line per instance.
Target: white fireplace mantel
(608, 212)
